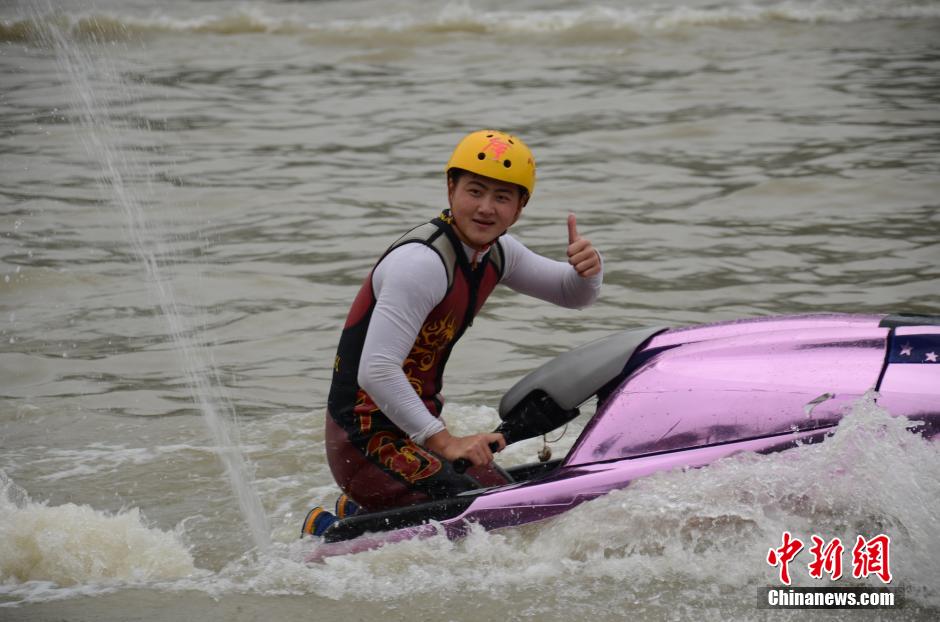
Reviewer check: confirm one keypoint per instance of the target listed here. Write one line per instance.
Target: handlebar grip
(462, 464)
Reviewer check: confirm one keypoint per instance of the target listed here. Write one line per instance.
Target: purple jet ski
(672, 398)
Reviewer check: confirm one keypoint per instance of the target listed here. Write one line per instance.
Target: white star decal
(931, 357)
(906, 349)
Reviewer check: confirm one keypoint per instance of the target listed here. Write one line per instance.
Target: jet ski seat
(571, 378)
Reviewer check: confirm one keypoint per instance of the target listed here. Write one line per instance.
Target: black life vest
(467, 289)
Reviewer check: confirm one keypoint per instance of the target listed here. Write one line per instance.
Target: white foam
(49, 552)
(704, 530)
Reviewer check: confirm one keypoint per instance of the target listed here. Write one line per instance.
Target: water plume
(127, 180)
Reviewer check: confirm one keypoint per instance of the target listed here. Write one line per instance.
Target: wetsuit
(415, 304)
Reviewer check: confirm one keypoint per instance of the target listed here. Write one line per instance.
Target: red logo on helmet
(497, 146)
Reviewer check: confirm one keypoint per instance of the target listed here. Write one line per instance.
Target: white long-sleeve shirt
(408, 283)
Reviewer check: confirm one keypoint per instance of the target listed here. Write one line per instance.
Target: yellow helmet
(498, 155)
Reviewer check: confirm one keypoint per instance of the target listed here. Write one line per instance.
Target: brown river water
(192, 191)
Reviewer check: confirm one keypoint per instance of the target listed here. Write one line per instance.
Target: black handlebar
(537, 414)
(462, 464)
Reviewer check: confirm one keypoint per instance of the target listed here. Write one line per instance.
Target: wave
(704, 530)
(584, 24)
(53, 551)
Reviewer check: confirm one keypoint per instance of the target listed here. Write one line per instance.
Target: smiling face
(483, 208)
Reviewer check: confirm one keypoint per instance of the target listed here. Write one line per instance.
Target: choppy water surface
(191, 193)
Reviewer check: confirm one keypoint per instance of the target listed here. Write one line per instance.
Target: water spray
(126, 179)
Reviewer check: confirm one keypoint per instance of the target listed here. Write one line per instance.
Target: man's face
(483, 208)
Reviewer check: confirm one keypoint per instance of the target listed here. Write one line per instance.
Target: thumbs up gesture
(581, 254)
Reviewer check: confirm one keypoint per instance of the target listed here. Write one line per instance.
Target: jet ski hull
(684, 398)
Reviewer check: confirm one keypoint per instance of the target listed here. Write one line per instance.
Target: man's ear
(523, 199)
(518, 212)
(451, 187)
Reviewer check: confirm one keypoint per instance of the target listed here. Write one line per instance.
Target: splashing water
(48, 550)
(701, 531)
(127, 179)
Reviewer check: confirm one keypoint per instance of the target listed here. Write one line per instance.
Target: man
(386, 444)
